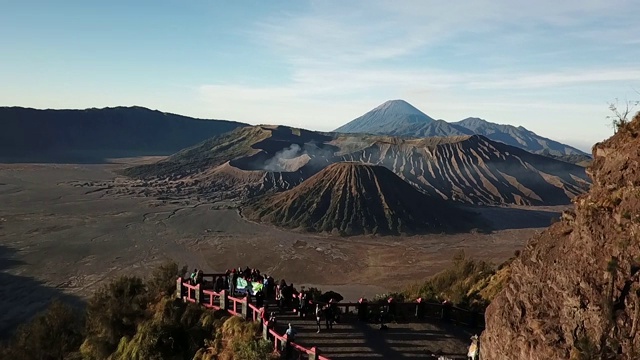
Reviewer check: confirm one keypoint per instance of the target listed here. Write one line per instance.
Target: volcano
(388, 118)
(351, 198)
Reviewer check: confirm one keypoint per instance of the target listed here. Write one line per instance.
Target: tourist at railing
(270, 287)
(391, 309)
(291, 337)
(199, 277)
(446, 310)
(233, 280)
(192, 277)
(420, 309)
(219, 285)
(259, 299)
(363, 309)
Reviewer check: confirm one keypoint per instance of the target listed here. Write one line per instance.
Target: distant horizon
(549, 66)
(586, 150)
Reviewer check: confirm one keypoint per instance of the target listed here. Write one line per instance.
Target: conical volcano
(387, 118)
(353, 198)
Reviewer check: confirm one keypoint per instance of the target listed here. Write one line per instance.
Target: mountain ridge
(385, 120)
(52, 135)
(252, 161)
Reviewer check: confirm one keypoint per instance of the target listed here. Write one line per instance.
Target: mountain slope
(472, 169)
(59, 135)
(574, 292)
(352, 199)
(518, 136)
(390, 118)
(476, 170)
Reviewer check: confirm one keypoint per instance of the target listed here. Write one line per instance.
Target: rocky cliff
(574, 292)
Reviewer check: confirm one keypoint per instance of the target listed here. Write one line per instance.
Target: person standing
(318, 316)
(291, 336)
(328, 317)
(259, 299)
(233, 278)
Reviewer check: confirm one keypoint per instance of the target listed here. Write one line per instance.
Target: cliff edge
(574, 292)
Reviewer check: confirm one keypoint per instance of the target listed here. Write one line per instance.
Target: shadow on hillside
(505, 218)
(77, 157)
(22, 297)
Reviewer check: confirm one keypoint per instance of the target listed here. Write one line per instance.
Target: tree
(620, 116)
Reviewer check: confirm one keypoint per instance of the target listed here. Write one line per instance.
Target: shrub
(163, 279)
(55, 334)
(115, 310)
(254, 350)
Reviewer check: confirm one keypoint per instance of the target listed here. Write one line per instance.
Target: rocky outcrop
(574, 292)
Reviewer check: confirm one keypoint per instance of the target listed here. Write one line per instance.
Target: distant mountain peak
(399, 107)
(387, 118)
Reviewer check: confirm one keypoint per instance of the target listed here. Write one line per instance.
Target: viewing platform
(438, 331)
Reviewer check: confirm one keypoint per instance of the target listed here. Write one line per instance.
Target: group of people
(196, 277)
(330, 313)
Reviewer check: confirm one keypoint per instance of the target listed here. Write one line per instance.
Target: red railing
(192, 291)
(233, 304)
(255, 312)
(239, 307)
(209, 300)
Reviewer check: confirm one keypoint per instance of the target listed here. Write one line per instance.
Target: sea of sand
(62, 237)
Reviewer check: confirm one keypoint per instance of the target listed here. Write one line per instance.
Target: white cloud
(346, 57)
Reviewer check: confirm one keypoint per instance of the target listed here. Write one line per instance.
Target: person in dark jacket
(420, 309)
(219, 285)
(391, 305)
(233, 280)
(328, 317)
(259, 299)
(363, 309)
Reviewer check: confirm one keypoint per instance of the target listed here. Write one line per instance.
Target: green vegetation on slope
(205, 155)
(127, 319)
(467, 283)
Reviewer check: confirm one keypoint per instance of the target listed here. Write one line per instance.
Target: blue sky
(546, 65)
